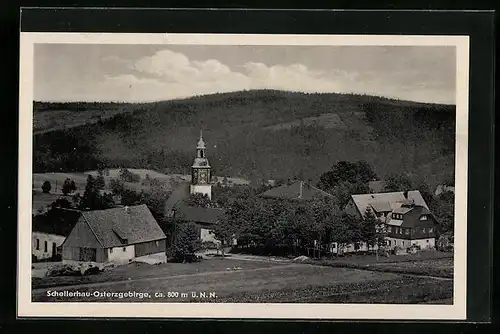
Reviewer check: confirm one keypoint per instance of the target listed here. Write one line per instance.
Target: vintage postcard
(243, 176)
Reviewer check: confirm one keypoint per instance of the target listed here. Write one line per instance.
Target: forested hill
(251, 134)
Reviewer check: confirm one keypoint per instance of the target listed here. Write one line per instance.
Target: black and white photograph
(244, 171)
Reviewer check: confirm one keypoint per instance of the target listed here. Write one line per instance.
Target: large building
(405, 215)
(200, 171)
(118, 235)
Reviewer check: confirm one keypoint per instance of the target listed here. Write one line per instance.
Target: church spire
(201, 143)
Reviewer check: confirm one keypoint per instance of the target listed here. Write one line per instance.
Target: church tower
(200, 171)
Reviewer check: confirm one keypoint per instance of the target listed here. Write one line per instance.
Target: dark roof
(200, 215)
(179, 194)
(299, 190)
(412, 217)
(57, 221)
(126, 225)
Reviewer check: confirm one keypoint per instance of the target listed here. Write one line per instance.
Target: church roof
(201, 162)
(200, 215)
(178, 195)
(201, 143)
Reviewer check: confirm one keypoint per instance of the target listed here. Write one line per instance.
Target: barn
(118, 235)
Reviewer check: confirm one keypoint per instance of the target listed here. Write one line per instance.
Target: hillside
(252, 135)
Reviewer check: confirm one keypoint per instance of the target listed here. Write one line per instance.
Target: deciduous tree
(68, 187)
(46, 187)
(397, 182)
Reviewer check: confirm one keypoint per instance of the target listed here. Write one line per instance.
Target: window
(407, 231)
(430, 230)
(424, 230)
(156, 243)
(388, 229)
(37, 244)
(45, 246)
(424, 217)
(124, 249)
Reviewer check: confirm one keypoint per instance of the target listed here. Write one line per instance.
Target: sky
(141, 73)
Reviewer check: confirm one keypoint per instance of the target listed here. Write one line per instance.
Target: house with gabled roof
(404, 214)
(383, 203)
(411, 225)
(204, 219)
(118, 235)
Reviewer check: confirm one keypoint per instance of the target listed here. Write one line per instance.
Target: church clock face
(202, 176)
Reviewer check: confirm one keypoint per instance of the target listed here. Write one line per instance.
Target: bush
(73, 270)
(69, 186)
(46, 187)
(92, 271)
(209, 245)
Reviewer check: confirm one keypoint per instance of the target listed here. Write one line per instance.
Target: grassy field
(41, 200)
(246, 281)
(437, 264)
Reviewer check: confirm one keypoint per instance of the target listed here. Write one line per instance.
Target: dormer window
(424, 217)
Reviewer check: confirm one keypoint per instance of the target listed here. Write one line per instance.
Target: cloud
(168, 75)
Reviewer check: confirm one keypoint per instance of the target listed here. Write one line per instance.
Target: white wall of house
(350, 248)
(207, 235)
(121, 254)
(205, 189)
(42, 244)
(425, 243)
(404, 243)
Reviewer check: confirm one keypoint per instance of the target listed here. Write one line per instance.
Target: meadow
(234, 280)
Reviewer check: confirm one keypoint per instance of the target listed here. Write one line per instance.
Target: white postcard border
(27, 308)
